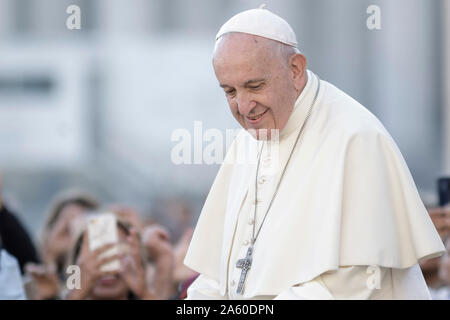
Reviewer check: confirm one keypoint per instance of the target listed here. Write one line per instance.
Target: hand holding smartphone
(102, 230)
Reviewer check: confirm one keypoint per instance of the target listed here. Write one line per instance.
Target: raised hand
(181, 272)
(45, 280)
(90, 263)
(156, 240)
(132, 267)
(157, 243)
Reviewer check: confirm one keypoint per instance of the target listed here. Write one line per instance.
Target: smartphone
(102, 230)
(444, 191)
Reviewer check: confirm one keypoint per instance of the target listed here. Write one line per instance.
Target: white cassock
(347, 221)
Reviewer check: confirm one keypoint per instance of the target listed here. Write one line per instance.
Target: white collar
(301, 105)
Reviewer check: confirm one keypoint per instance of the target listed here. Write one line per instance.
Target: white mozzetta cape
(347, 199)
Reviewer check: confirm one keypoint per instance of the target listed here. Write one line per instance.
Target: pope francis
(328, 209)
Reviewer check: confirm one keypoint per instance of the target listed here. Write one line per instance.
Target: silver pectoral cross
(245, 264)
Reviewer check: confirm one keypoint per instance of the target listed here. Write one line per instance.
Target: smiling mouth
(259, 116)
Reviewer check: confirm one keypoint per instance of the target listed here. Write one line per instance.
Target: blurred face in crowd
(60, 237)
(70, 215)
(261, 79)
(113, 286)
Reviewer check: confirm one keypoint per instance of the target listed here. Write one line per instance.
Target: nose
(245, 104)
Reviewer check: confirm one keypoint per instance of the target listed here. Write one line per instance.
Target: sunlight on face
(257, 81)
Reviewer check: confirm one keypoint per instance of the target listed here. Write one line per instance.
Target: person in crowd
(156, 241)
(159, 250)
(430, 270)
(443, 292)
(127, 213)
(63, 220)
(176, 214)
(157, 272)
(435, 270)
(336, 191)
(181, 272)
(15, 238)
(61, 224)
(11, 287)
(129, 282)
(167, 260)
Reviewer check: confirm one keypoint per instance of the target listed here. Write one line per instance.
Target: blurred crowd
(151, 263)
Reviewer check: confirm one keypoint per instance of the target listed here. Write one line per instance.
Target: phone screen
(102, 230)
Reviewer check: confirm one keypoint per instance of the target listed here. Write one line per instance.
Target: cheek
(232, 105)
(274, 105)
(282, 108)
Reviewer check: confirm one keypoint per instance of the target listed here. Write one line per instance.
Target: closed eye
(256, 87)
(230, 92)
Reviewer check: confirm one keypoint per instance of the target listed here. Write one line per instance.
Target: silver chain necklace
(246, 263)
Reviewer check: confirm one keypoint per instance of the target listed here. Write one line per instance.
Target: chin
(110, 292)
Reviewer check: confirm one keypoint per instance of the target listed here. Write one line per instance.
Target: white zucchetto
(260, 22)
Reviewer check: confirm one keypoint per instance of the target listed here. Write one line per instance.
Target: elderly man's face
(257, 80)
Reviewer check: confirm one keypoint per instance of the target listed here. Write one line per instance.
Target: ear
(297, 64)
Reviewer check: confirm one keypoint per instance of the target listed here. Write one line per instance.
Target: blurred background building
(95, 108)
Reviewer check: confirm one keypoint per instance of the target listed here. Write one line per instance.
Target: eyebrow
(252, 82)
(245, 84)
